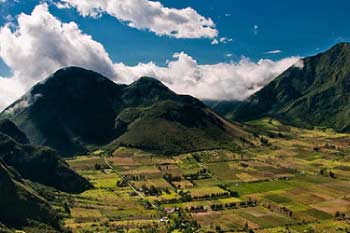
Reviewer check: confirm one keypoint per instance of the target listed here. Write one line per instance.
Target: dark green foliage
(316, 94)
(41, 164)
(183, 223)
(19, 203)
(9, 128)
(264, 141)
(75, 110)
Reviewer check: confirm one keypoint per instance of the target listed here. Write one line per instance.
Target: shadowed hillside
(10, 129)
(41, 164)
(20, 166)
(20, 204)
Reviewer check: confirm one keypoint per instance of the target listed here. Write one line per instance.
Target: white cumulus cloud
(223, 81)
(149, 15)
(10, 90)
(40, 44)
(299, 64)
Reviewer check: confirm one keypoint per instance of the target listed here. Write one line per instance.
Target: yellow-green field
(297, 182)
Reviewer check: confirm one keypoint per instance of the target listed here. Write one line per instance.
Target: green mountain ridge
(77, 110)
(24, 168)
(42, 165)
(312, 93)
(20, 204)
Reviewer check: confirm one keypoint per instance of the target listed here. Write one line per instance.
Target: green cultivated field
(296, 181)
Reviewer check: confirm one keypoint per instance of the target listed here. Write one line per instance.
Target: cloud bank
(40, 44)
(223, 81)
(149, 15)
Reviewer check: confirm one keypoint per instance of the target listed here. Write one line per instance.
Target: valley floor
(292, 180)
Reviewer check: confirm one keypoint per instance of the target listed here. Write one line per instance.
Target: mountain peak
(341, 46)
(72, 69)
(148, 79)
(72, 75)
(146, 91)
(148, 82)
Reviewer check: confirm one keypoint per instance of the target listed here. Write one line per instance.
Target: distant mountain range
(313, 93)
(76, 110)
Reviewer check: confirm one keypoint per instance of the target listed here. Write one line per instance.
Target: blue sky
(295, 27)
(252, 28)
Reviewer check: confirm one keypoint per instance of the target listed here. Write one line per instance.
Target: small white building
(164, 220)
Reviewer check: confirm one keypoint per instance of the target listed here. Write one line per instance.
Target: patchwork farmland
(284, 183)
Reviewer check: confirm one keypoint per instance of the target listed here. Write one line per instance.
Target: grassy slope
(170, 127)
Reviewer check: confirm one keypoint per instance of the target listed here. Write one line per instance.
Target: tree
(98, 166)
(66, 207)
(218, 229)
(264, 141)
(246, 226)
(323, 171)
